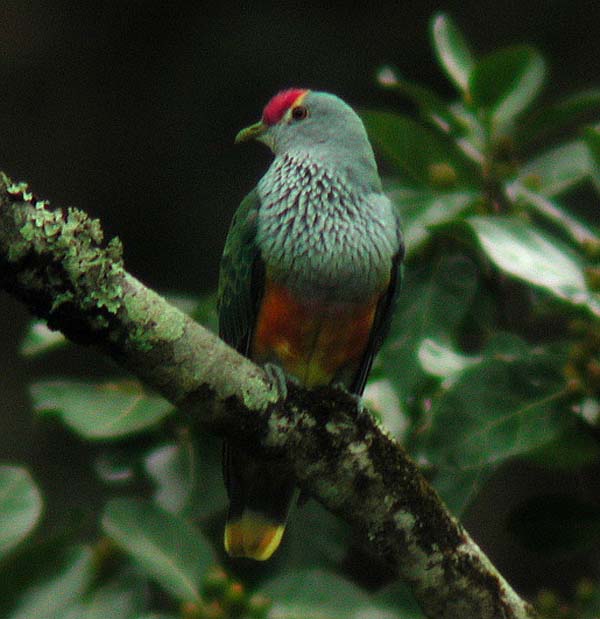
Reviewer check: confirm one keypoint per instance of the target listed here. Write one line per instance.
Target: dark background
(128, 110)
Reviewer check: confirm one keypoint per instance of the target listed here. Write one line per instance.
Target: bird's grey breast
(321, 234)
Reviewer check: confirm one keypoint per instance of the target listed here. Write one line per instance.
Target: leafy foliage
(20, 507)
(165, 547)
(494, 355)
(56, 584)
(111, 409)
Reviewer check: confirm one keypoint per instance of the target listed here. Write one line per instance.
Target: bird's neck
(352, 171)
(310, 187)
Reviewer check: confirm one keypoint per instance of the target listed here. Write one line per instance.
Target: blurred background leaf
(20, 507)
(164, 546)
(505, 83)
(47, 585)
(106, 410)
(452, 50)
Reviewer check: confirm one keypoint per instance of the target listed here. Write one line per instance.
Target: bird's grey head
(318, 123)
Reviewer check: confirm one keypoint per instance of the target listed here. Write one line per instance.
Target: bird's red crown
(280, 104)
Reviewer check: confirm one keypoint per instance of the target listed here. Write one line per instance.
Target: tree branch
(56, 262)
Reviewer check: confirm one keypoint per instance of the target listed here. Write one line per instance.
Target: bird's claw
(361, 409)
(278, 378)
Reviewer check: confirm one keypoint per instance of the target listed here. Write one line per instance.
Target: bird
(308, 282)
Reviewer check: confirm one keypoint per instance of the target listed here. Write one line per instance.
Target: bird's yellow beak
(253, 132)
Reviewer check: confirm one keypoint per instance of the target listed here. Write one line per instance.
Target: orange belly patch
(314, 341)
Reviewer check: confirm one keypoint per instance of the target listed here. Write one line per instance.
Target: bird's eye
(300, 112)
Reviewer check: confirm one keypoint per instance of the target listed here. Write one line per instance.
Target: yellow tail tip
(252, 536)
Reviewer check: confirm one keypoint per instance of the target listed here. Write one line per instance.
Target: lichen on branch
(58, 257)
(57, 262)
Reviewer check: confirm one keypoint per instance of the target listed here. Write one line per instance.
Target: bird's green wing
(241, 277)
(383, 317)
(259, 493)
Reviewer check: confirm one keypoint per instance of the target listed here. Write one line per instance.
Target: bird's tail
(260, 495)
(252, 536)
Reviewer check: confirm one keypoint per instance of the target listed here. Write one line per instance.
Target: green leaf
(556, 524)
(39, 339)
(316, 538)
(432, 108)
(166, 547)
(506, 82)
(397, 598)
(108, 410)
(572, 449)
(418, 152)
(49, 596)
(117, 467)
(452, 51)
(473, 140)
(121, 598)
(509, 404)
(422, 210)
(20, 507)
(559, 169)
(592, 140)
(435, 300)
(520, 250)
(381, 398)
(588, 599)
(588, 410)
(439, 359)
(553, 119)
(459, 486)
(173, 469)
(551, 211)
(321, 594)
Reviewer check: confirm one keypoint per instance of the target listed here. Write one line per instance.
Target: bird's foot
(278, 378)
(361, 409)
